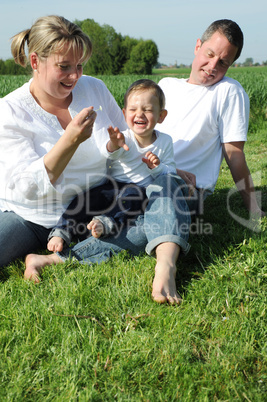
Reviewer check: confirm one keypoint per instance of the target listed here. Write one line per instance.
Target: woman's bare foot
(96, 227)
(164, 286)
(55, 244)
(35, 264)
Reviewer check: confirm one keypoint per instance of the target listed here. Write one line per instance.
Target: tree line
(112, 54)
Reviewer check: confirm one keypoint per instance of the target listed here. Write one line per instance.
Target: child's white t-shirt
(127, 166)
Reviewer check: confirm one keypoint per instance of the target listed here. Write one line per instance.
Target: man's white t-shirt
(199, 120)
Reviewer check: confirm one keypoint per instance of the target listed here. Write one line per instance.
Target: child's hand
(152, 160)
(117, 140)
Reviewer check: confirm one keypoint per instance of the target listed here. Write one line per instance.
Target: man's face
(212, 60)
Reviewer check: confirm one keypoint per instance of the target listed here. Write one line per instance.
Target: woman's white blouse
(28, 132)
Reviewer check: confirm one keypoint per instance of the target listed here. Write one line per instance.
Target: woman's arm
(78, 131)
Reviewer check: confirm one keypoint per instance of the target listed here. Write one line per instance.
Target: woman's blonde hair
(50, 35)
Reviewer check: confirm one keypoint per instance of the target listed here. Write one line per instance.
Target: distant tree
(115, 54)
(15, 69)
(100, 61)
(127, 45)
(248, 62)
(143, 58)
(116, 49)
(2, 67)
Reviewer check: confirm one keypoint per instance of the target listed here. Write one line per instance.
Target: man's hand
(189, 179)
(235, 158)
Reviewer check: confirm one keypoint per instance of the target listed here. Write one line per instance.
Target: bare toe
(159, 298)
(176, 300)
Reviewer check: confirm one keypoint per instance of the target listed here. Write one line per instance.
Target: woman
(49, 134)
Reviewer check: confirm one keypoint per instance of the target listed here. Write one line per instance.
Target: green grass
(93, 333)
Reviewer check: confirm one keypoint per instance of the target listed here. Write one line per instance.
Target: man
(208, 113)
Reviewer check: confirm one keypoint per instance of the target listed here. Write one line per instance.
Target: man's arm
(236, 160)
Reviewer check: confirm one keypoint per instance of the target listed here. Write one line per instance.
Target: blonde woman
(49, 134)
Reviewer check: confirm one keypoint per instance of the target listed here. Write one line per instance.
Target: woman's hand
(81, 127)
(77, 131)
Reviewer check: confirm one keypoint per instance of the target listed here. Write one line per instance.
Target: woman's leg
(19, 237)
(35, 263)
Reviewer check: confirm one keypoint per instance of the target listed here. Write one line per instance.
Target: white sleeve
(115, 154)
(234, 117)
(22, 170)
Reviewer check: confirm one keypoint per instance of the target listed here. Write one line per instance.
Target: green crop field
(93, 333)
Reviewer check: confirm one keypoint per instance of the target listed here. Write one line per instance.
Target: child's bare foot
(35, 264)
(55, 244)
(164, 286)
(96, 227)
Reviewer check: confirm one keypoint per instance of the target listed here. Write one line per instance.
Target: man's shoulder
(171, 81)
(229, 84)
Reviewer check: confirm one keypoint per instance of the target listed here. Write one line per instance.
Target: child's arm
(55, 244)
(163, 163)
(151, 160)
(117, 140)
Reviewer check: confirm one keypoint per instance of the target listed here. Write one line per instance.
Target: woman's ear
(34, 60)
(162, 115)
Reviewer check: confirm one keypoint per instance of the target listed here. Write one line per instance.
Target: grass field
(92, 333)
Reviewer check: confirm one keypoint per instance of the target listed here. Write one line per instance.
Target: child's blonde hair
(144, 84)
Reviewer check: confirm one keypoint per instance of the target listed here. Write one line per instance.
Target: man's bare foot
(35, 264)
(164, 286)
(96, 227)
(55, 244)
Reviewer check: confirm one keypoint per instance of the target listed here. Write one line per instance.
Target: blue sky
(174, 25)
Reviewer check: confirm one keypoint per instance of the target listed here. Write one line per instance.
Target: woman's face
(57, 75)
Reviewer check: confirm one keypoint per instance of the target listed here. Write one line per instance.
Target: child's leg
(164, 285)
(96, 227)
(131, 201)
(55, 244)
(83, 207)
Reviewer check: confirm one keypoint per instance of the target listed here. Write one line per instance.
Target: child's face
(143, 112)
